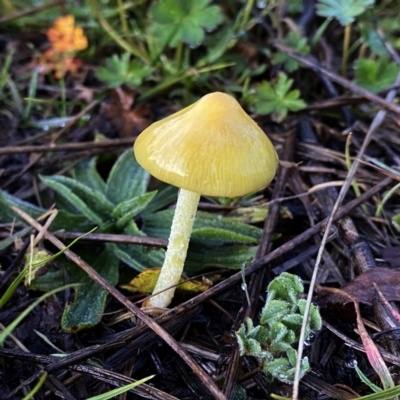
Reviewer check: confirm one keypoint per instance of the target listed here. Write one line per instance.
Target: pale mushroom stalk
(175, 256)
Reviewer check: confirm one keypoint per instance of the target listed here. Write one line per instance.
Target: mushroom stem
(175, 256)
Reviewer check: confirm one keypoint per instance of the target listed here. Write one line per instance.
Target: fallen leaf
(124, 120)
(146, 281)
(83, 93)
(362, 287)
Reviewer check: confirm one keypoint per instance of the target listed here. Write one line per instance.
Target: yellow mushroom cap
(211, 147)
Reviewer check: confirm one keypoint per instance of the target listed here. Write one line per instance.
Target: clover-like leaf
(345, 11)
(374, 42)
(119, 70)
(276, 99)
(296, 42)
(375, 75)
(183, 21)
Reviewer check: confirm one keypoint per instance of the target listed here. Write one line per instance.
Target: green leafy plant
(375, 75)
(280, 323)
(296, 42)
(119, 70)
(276, 99)
(345, 11)
(85, 201)
(183, 21)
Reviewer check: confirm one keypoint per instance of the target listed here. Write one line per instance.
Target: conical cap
(211, 147)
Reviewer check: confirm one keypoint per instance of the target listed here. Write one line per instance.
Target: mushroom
(211, 148)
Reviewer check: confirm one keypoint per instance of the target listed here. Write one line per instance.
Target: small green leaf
(218, 44)
(93, 199)
(126, 210)
(290, 337)
(374, 42)
(344, 11)
(52, 279)
(177, 21)
(71, 222)
(296, 42)
(292, 356)
(127, 179)
(86, 173)
(375, 75)
(137, 257)
(276, 99)
(277, 367)
(220, 235)
(277, 332)
(88, 306)
(74, 200)
(293, 321)
(314, 318)
(286, 286)
(249, 341)
(279, 347)
(261, 334)
(165, 196)
(274, 310)
(120, 70)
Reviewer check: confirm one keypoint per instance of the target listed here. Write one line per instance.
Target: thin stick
(67, 146)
